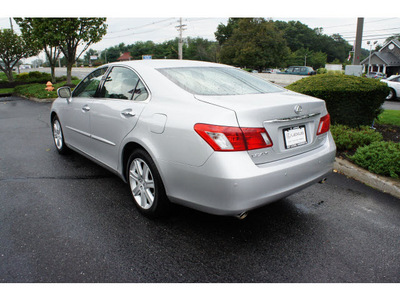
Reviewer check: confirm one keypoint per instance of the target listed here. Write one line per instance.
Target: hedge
(350, 100)
(381, 158)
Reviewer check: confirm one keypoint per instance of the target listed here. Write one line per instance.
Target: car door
(76, 114)
(115, 113)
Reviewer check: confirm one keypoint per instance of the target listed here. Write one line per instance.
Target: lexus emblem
(298, 109)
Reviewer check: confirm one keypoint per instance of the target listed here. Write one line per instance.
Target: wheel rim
(142, 183)
(390, 95)
(57, 134)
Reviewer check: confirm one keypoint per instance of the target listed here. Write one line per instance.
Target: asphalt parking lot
(65, 219)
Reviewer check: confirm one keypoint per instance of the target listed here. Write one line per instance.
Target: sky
(156, 20)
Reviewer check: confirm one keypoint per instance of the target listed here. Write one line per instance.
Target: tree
(41, 30)
(254, 43)
(73, 32)
(12, 49)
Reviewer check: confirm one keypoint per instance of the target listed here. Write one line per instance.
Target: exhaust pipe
(323, 181)
(242, 215)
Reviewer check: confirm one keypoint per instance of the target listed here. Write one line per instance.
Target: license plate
(295, 136)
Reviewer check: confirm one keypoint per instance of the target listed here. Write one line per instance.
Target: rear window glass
(218, 81)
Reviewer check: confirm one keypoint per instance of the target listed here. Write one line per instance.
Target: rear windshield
(218, 81)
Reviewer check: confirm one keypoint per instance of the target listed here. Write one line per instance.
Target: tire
(58, 136)
(392, 95)
(146, 185)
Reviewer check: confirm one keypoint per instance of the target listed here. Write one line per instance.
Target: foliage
(41, 30)
(350, 100)
(37, 90)
(33, 77)
(73, 32)
(300, 36)
(12, 49)
(391, 117)
(254, 43)
(381, 158)
(347, 138)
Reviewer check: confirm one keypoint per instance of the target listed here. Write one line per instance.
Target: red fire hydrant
(49, 86)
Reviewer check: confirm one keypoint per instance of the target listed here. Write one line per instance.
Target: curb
(381, 183)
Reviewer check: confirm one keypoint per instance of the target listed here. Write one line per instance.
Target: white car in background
(204, 135)
(394, 83)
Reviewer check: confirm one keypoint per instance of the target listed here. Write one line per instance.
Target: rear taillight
(324, 124)
(226, 138)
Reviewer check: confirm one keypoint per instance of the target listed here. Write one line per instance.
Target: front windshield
(218, 81)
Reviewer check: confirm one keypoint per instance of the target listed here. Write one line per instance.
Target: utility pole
(357, 46)
(11, 25)
(180, 28)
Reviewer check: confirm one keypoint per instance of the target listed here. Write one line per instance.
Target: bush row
(350, 100)
(347, 138)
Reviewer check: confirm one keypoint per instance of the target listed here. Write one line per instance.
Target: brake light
(324, 124)
(227, 138)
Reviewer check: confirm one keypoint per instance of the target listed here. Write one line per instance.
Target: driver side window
(88, 87)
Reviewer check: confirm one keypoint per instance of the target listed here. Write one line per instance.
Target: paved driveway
(65, 219)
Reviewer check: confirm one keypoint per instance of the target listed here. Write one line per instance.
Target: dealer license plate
(295, 136)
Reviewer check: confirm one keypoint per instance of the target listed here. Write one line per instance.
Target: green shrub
(350, 100)
(22, 76)
(33, 77)
(381, 158)
(347, 138)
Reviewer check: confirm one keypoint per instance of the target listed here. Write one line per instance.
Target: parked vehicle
(394, 83)
(376, 75)
(298, 70)
(208, 136)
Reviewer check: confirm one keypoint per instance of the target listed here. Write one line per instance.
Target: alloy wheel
(142, 183)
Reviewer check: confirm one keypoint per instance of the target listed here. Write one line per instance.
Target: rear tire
(146, 185)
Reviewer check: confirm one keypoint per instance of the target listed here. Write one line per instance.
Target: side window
(141, 93)
(89, 85)
(120, 84)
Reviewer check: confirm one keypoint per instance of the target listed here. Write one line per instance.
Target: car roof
(167, 63)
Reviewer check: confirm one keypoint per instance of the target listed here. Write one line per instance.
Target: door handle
(128, 113)
(85, 108)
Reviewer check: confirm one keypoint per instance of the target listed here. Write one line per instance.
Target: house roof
(395, 42)
(387, 58)
(125, 56)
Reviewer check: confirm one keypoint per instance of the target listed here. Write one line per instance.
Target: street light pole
(369, 58)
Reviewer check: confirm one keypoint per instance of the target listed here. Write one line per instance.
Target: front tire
(146, 185)
(58, 136)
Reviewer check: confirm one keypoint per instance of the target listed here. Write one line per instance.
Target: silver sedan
(204, 135)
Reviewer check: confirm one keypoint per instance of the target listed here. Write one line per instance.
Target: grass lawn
(6, 91)
(391, 117)
(37, 90)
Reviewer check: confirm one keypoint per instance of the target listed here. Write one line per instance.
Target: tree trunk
(9, 74)
(53, 74)
(69, 71)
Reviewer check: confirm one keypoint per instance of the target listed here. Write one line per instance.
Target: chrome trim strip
(79, 131)
(92, 136)
(103, 140)
(296, 118)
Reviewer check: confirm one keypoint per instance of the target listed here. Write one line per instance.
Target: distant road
(78, 72)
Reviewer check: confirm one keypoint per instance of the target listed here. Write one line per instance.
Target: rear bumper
(230, 183)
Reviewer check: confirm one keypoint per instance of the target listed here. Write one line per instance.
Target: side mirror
(64, 92)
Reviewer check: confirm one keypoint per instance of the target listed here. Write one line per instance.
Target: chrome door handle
(128, 113)
(86, 108)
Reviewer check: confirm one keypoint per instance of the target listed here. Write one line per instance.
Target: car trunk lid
(290, 119)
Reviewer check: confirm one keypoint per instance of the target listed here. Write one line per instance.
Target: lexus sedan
(204, 135)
